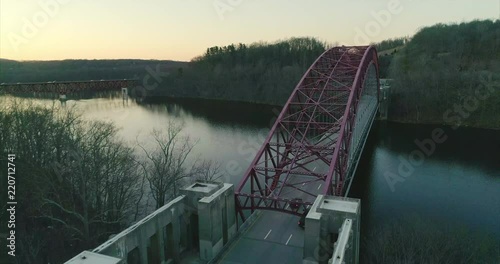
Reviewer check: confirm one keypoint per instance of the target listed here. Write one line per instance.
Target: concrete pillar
(213, 203)
(325, 220)
(177, 234)
(384, 98)
(343, 251)
(125, 94)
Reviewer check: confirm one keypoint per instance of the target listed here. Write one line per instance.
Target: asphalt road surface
(274, 237)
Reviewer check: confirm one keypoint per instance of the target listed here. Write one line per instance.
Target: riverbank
(224, 105)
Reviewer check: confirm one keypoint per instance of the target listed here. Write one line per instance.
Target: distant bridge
(67, 87)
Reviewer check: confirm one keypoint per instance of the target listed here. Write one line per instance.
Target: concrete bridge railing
(332, 220)
(196, 224)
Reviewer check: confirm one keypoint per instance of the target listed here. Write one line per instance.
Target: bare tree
(164, 164)
(77, 179)
(207, 171)
(91, 197)
(141, 208)
(32, 243)
(416, 240)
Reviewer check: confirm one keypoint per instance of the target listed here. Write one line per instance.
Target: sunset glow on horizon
(183, 29)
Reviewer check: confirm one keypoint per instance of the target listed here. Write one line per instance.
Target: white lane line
(319, 186)
(314, 169)
(268, 234)
(288, 239)
(288, 205)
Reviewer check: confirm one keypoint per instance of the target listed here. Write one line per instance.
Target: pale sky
(183, 29)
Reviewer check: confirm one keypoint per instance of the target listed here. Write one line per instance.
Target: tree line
(77, 182)
(413, 239)
(448, 74)
(387, 49)
(260, 72)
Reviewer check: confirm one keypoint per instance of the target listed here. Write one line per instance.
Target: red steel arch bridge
(314, 146)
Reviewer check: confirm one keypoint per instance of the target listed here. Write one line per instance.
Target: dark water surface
(458, 185)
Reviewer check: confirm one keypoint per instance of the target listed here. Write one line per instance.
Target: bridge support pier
(213, 216)
(63, 99)
(332, 225)
(125, 94)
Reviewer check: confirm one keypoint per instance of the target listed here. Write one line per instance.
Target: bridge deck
(273, 238)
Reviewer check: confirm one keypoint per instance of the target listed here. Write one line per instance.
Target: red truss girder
(315, 126)
(67, 87)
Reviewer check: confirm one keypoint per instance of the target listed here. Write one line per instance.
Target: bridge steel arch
(324, 124)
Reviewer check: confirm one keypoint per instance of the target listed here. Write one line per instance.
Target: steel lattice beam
(67, 87)
(315, 125)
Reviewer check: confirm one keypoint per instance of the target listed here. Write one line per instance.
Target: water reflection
(458, 184)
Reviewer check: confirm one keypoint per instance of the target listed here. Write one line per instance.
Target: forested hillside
(259, 72)
(448, 74)
(387, 50)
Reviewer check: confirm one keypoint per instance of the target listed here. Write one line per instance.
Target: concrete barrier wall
(217, 221)
(149, 235)
(325, 219)
(202, 220)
